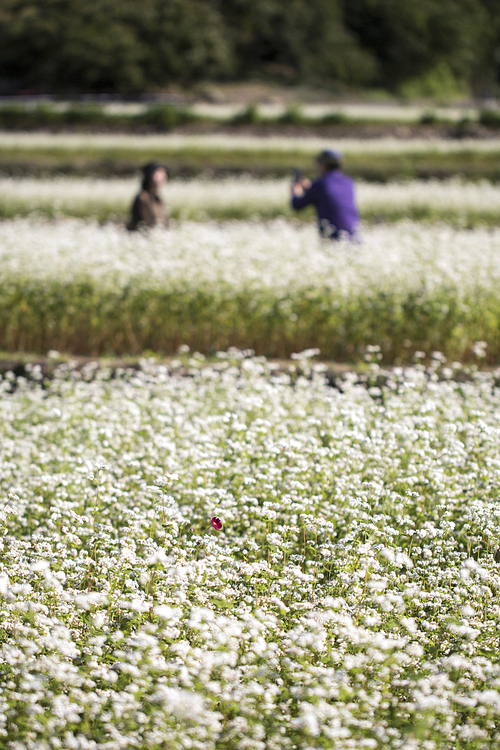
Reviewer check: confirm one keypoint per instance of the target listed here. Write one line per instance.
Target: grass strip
(456, 218)
(189, 161)
(164, 117)
(85, 319)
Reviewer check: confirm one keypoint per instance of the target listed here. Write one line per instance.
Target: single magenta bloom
(216, 523)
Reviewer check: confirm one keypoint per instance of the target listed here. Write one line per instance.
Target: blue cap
(330, 155)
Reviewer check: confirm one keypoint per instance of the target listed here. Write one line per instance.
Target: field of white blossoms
(273, 287)
(147, 144)
(250, 558)
(455, 201)
(225, 552)
(191, 154)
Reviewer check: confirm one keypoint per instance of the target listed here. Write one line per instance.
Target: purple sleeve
(301, 201)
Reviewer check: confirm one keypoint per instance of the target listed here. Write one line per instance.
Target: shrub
(490, 118)
(165, 117)
(334, 118)
(85, 114)
(293, 116)
(250, 116)
(429, 118)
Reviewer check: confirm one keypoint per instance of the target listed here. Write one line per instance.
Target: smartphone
(297, 175)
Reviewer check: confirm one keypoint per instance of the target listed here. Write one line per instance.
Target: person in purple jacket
(333, 197)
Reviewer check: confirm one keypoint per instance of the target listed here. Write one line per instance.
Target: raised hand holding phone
(299, 184)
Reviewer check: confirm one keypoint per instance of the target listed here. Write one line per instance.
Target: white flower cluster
(350, 599)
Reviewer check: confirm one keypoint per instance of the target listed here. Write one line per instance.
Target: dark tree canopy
(129, 46)
(409, 38)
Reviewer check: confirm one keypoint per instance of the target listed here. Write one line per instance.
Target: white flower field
(19, 141)
(350, 599)
(453, 200)
(215, 542)
(274, 287)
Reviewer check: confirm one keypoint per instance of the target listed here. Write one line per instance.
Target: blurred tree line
(70, 46)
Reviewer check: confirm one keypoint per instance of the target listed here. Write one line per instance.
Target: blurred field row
(459, 203)
(165, 116)
(378, 159)
(73, 286)
(47, 141)
(272, 107)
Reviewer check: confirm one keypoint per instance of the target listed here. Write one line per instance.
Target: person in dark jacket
(333, 197)
(148, 209)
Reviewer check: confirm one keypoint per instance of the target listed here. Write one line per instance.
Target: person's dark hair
(148, 171)
(330, 159)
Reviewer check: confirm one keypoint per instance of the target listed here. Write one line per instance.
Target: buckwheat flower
(216, 523)
(479, 349)
(166, 479)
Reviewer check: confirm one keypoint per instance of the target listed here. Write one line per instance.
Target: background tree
(296, 40)
(129, 46)
(411, 38)
(104, 45)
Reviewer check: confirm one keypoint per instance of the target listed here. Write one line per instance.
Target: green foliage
(184, 41)
(436, 47)
(18, 116)
(165, 117)
(490, 118)
(86, 114)
(429, 118)
(334, 118)
(294, 39)
(187, 160)
(14, 116)
(249, 116)
(439, 82)
(411, 39)
(101, 45)
(293, 116)
(88, 319)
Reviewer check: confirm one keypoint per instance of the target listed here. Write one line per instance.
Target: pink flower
(216, 523)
